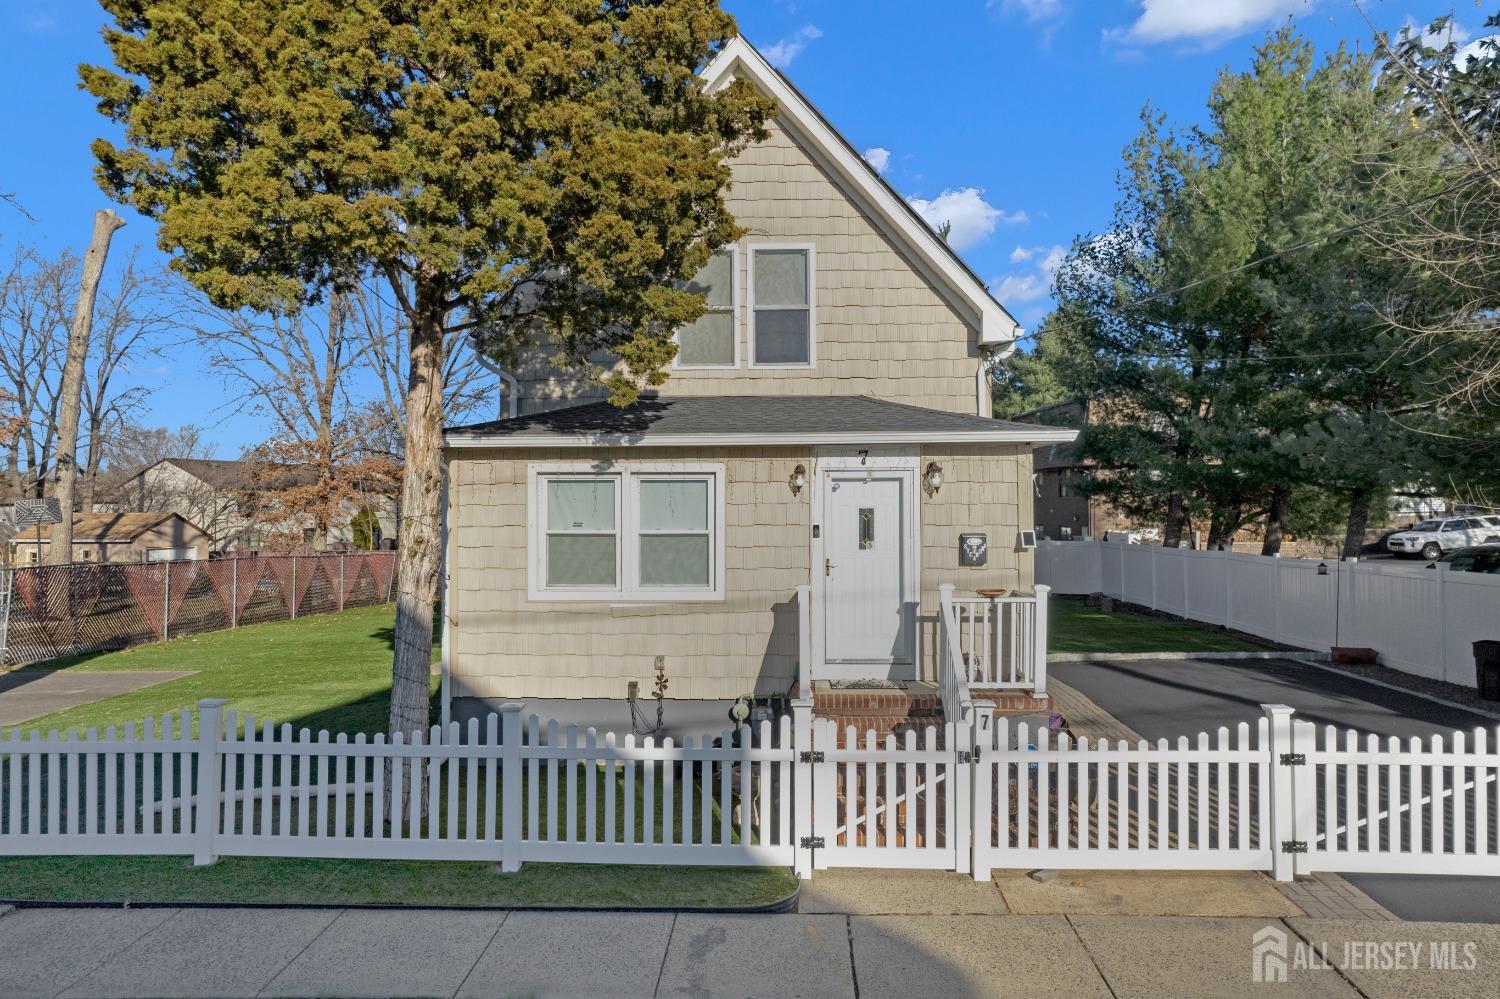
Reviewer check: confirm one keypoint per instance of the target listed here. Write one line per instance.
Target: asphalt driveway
(1168, 698)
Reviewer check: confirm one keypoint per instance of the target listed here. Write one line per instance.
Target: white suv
(1430, 538)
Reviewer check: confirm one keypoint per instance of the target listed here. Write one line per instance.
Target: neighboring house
(213, 492)
(119, 537)
(827, 423)
(1062, 510)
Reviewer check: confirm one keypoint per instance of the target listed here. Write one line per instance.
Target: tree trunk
(1359, 518)
(1275, 522)
(1221, 528)
(1171, 534)
(65, 474)
(420, 557)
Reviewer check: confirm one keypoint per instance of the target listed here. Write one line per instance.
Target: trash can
(1487, 669)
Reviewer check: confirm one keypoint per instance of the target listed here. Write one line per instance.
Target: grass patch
(388, 882)
(328, 671)
(1074, 626)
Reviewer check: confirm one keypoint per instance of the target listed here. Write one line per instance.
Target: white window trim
(627, 570)
(734, 312)
(812, 301)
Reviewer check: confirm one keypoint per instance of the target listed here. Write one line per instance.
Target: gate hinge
(965, 756)
(1293, 759)
(1294, 846)
(812, 842)
(811, 756)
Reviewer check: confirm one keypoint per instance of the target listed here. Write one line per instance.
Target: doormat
(870, 684)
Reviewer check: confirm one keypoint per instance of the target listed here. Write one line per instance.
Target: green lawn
(389, 882)
(328, 671)
(1073, 626)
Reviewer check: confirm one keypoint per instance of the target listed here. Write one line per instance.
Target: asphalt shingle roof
(738, 416)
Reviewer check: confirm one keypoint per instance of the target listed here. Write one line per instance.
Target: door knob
(827, 567)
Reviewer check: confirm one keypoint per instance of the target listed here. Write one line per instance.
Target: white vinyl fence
(969, 795)
(237, 788)
(1421, 621)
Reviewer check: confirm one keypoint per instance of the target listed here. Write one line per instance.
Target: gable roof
(738, 58)
(690, 421)
(112, 528)
(224, 473)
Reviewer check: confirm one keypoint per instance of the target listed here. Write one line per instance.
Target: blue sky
(1005, 116)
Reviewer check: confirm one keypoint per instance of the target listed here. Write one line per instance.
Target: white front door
(866, 617)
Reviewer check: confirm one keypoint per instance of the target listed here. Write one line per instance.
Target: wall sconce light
(1322, 568)
(797, 479)
(932, 478)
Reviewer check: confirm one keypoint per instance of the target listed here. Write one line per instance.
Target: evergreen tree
(517, 168)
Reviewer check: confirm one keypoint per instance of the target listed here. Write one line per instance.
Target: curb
(1317, 660)
(1455, 705)
(784, 905)
(1102, 657)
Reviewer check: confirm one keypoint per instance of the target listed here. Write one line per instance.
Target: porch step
(1014, 702)
(885, 711)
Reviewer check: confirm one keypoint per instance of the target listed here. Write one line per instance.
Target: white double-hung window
(635, 534)
(781, 305)
(711, 340)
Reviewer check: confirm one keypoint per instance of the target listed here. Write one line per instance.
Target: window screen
(674, 532)
(710, 340)
(783, 312)
(581, 539)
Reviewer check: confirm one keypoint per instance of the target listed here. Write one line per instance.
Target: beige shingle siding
(882, 328)
(506, 646)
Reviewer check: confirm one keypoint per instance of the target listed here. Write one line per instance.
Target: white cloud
(1197, 20)
(1034, 10)
(784, 51)
(972, 218)
(1477, 49)
(1454, 32)
(1029, 285)
(878, 157)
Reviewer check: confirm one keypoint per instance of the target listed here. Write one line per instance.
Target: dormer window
(710, 341)
(781, 306)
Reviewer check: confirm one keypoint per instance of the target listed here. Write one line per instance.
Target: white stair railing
(953, 677)
(1002, 641)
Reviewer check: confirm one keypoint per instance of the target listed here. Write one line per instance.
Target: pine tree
(518, 168)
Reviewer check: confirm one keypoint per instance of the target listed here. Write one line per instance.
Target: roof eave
(1048, 435)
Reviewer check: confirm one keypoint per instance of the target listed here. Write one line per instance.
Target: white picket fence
(1420, 621)
(1056, 801)
(969, 795)
(237, 788)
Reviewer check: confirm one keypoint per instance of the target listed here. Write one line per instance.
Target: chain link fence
(63, 610)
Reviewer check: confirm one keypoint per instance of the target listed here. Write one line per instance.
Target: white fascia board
(1047, 435)
(996, 326)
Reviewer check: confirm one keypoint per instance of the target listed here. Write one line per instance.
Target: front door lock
(828, 567)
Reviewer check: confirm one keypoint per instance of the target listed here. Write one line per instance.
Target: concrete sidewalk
(304, 952)
(33, 693)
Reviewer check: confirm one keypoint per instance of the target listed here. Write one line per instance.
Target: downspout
(510, 394)
(983, 382)
(445, 697)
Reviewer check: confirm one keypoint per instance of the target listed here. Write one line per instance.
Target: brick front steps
(911, 709)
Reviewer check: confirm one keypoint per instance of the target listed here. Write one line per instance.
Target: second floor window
(710, 341)
(781, 318)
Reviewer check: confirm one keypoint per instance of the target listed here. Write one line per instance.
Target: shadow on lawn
(369, 714)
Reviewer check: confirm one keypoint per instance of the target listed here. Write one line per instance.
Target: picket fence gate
(969, 795)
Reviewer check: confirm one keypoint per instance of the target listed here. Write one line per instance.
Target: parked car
(1480, 558)
(1431, 538)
